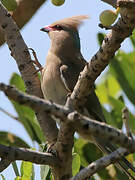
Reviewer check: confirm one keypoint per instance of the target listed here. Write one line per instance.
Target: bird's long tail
(123, 165)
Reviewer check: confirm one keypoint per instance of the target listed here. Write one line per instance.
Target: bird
(64, 62)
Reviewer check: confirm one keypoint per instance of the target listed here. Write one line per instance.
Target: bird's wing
(69, 76)
(94, 107)
(71, 69)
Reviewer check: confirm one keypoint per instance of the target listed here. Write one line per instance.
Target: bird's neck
(67, 46)
(76, 40)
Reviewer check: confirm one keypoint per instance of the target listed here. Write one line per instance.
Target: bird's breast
(52, 87)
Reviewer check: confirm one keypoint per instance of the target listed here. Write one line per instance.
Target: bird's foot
(51, 149)
(69, 94)
(35, 61)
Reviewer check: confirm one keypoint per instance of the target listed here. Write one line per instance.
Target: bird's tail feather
(123, 165)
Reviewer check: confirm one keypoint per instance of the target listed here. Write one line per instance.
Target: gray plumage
(64, 62)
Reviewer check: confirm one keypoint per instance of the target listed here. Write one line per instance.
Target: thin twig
(99, 164)
(4, 163)
(9, 114)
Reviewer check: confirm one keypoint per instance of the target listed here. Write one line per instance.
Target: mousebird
(64, 62)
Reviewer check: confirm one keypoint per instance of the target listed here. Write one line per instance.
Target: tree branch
(86, 127)
(100, 164)
(20, 16)
(111, 2)
(111, 43)
(19, 51)
(13, 154)
(4, 163)
(83, 125)
(64, 147)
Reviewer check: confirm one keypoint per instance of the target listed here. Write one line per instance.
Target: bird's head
(64, 33)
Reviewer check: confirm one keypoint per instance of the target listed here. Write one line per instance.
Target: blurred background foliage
(115, 90)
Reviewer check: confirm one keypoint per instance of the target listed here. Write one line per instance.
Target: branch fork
(121, 30)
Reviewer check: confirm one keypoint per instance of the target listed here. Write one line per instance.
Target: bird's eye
(58, 27)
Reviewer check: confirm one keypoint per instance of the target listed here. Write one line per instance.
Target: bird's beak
(46, 29)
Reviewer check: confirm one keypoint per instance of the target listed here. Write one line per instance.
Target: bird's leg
(69, 94)
(35, 61)
(49, 148)
(52, 149)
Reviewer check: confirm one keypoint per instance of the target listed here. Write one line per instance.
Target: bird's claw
(35, 61)
(40, 69)
(52, 150)
(69, 94)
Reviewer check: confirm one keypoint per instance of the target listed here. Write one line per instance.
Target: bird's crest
(72, 22)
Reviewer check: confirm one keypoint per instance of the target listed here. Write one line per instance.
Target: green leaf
(121, 69)
(14, 165)
(109, 118)
(50, 177)
(44, 171)
(104, 174)
(75, 164)
(102, 92)
(117, 113)
(108, 87)
(133, 34)
(26, 170)
(78, 145)
(100, 37)
(27, 118)
(11, 5)
(88, 153)
(91, 152)
(17, 81)
(132, 38)
(33, 173)
(3, 178)
(129, 57)
(26, 114)
(18, 178)
(10, 139)
(120, 175)
(132, 41)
